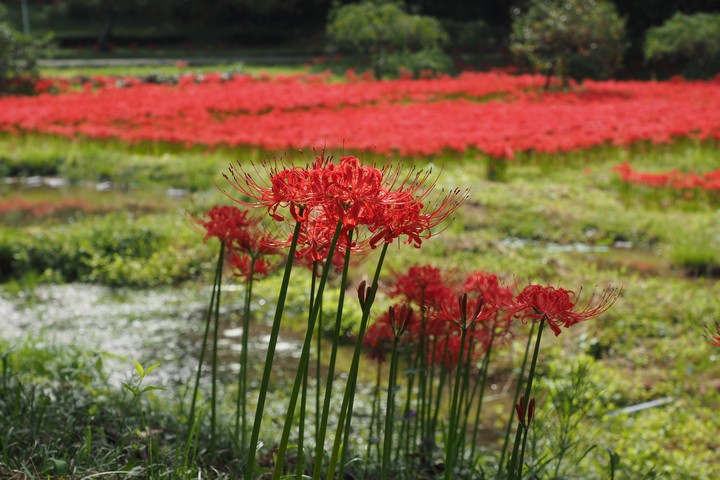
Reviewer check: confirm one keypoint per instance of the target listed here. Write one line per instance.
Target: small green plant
(689, 40)
(138, 390)
(569, 38)
(390, 38)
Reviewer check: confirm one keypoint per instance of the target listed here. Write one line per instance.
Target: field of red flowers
(674, 179)
(494, 112)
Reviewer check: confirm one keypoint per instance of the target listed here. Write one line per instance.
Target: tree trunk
(104, 42)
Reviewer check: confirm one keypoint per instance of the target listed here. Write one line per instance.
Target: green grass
(171, 70)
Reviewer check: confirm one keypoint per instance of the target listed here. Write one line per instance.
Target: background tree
(569, 38)
(389, 37)
(690, 40)
(18, 56)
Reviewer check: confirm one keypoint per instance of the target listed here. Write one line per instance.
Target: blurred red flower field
(494, 112)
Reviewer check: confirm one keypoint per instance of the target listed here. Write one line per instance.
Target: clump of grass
(117, 249)
(61, 417)
(696, 248)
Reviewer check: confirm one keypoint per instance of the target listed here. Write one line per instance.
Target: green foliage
(697, 247)
(692, 40)
(115, 250)
(569, 38)
(470, 35)
(81, 424)
(97, 161)
(18, 55)
(387, 35)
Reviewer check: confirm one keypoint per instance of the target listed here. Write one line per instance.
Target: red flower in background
(239, 231)
(559, 306)
(713, 338)
(246, 242)
(422, 285)
(244, 268)
(412, 117)
(379, 337)
(225, 223)
(674, 179)
(488, 285)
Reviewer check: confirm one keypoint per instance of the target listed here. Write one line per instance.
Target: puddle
(154, 325)
(576, 247)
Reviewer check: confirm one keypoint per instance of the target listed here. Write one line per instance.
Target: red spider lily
(488, 285)
(379, 337)
(355, 195)
(314, 244)
(559, 306)
(350, 191)
(447, 352)
(406, 216)
(275, 186)
(242, 266)
(228, 224)
(239, 231)
(466, 311)
(422, 285)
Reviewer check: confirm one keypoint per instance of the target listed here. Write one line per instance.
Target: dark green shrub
(18, 56)
(689, 40)
(470, 35)
(387, 36)
(569, 38)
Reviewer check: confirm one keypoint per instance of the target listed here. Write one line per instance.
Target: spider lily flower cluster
(444, 331)
(449, 344)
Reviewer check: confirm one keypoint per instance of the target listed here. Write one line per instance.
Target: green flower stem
(206, 334)
(374, 420)
(389, 411)
(438, 397)
(483, 381)
(515, 400)
(516, 447)
(320, 446)
(525, 429)
(299, 472)
(213, 399)
(346, 441)
(419, 425)
(528, 391)
(452, 427)
(463, 403)
(427, 393)
(346, 412)
(304, 359)
(406, 430)
(267, 370)
(300, 467)
(241, 404)
(318, 354)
